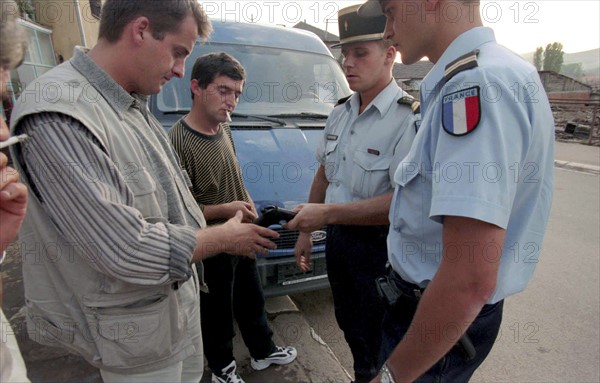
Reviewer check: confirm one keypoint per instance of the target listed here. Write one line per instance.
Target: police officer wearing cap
(473, 195)
(365, 138)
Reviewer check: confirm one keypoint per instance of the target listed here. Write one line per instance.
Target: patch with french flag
(461, 111)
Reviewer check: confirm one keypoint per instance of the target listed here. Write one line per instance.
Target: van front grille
(287, 238)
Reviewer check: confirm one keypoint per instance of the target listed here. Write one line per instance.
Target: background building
(54, 28)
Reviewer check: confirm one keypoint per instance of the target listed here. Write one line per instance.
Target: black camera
(274, 215)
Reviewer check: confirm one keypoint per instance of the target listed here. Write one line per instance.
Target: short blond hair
(14, 39)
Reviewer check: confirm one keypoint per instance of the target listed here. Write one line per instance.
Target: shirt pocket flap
(406, 172)
(370, 162)
(370, 175)
(330, 147)
(149, 197)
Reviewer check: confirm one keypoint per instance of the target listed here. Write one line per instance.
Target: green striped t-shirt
(212, 165)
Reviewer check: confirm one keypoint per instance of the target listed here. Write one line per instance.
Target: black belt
(409, 290)
(393, 288)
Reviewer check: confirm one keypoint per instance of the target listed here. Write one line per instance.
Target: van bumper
(281, 276)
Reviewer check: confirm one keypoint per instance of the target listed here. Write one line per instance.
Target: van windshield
(278, 81)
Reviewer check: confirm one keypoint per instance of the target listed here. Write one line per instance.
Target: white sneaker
(281, 355)
(227, 375)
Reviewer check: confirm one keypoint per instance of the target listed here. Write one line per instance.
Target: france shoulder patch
(461, 111)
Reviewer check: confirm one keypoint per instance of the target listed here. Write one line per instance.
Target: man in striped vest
(204, 143)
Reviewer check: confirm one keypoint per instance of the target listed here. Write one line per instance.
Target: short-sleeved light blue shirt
(360, 152)
(501, 172)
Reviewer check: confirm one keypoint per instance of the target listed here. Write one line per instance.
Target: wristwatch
(386, 374)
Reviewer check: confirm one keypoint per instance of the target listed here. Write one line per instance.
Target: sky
(520, 25)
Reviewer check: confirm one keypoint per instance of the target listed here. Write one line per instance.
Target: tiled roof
(416, 71)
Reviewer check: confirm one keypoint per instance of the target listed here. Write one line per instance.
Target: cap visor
(359, 39)
(371, 8)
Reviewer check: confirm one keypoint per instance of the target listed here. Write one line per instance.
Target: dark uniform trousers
(453, 367)
(356, 256)
(234, 291)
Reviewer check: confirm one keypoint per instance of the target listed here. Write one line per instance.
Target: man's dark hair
(165, 16)
(212, 65)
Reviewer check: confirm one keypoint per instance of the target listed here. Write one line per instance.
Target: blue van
(293, 82)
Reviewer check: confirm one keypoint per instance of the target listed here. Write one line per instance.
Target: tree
(574, 70)
(538, 58)
(26, 8)
(553, 57)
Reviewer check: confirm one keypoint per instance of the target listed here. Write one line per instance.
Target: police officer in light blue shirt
(473, 195)
(362, 149)
(365, 138)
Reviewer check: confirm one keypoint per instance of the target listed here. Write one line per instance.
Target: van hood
(278, 164)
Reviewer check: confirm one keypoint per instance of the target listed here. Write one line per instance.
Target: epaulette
(342, 100)
(410, 101)
(464, 62)
(415, 106)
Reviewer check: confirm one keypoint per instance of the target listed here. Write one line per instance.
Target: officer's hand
(303, 252)
(247, 209)
(246, 239)
(310, 217)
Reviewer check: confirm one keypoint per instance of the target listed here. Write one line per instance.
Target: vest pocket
(47, 333)
(370, 175)
(149, 198)
(136, 335)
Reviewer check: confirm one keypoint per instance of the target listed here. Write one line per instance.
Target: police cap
(354, 28)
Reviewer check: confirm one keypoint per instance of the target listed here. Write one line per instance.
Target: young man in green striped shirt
(204, 143)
